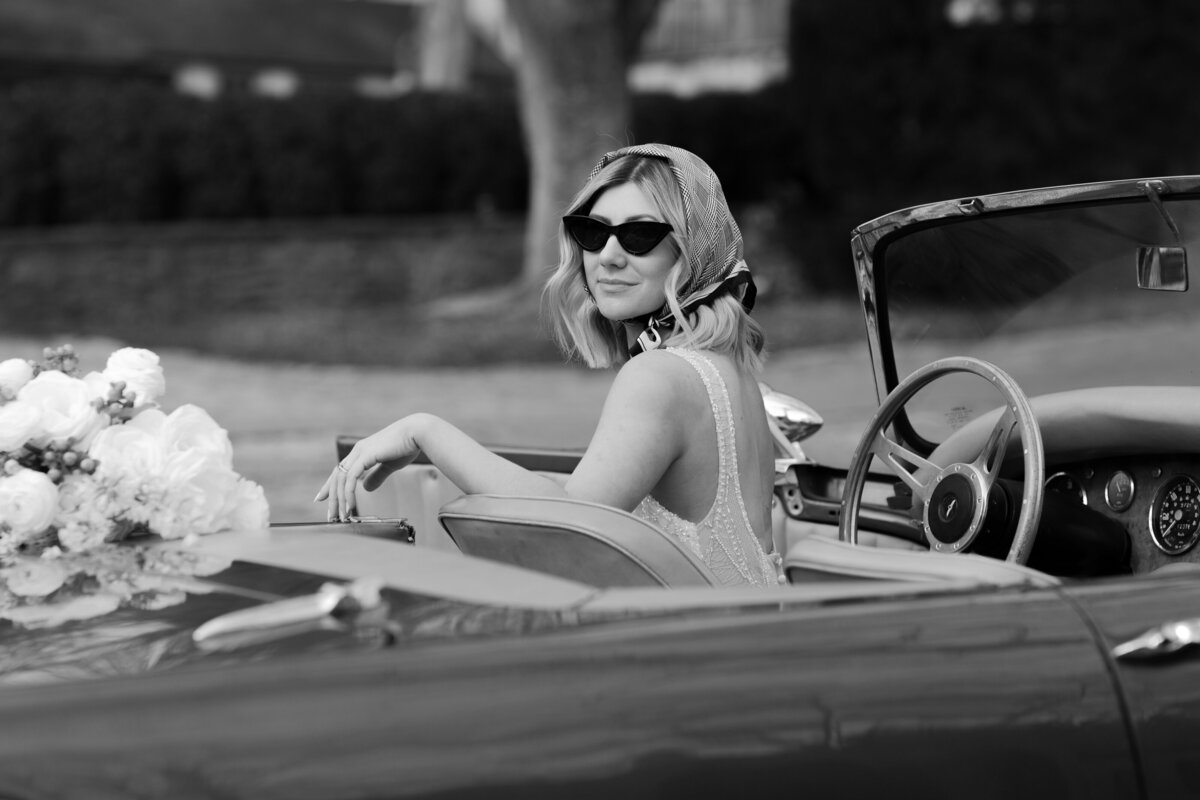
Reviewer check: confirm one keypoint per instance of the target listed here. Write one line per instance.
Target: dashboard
(1155, 499)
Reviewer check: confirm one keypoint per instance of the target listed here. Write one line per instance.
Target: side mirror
(795, 418)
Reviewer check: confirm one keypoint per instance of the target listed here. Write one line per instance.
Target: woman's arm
(640, 434)
(467, 464)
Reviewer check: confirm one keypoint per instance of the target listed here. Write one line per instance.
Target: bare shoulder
(657, 375)
(658, 384)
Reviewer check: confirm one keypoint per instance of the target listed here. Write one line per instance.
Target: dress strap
(728, 513)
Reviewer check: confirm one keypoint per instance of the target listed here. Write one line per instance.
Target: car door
(1160, 685)
(997, 694)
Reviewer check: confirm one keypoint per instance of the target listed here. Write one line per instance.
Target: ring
(342, 467)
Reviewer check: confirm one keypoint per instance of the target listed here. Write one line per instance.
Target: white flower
(190, 430)
(66, 408)
(250, 510)
(140, 371)
(87, 514)
(14, 373)
(18, 423)
(28, 502)
(131, 452)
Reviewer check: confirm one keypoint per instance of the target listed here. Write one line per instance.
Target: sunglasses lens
(636, 238)
(588, 233)
(639, 238)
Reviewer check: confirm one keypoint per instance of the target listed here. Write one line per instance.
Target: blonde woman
(651, 280)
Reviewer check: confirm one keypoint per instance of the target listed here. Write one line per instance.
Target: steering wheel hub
(955, 510)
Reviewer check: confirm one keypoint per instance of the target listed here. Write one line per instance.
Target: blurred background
(326, 213)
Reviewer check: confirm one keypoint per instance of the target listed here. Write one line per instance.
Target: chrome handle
(1168, 638)
(329, 600)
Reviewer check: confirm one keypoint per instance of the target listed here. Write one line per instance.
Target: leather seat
(585, 542)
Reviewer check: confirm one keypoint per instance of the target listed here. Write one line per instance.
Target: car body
(882, 668)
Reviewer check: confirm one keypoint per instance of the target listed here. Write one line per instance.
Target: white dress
(724, 539)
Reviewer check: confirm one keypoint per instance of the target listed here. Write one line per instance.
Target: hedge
(83, 152)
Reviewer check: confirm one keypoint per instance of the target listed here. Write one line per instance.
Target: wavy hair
(579, 328)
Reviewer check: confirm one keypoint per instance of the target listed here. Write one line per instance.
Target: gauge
(1067, 484)
(1175, 515)
(1118, 492)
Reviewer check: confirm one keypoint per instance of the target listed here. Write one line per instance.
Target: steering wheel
(954, 497)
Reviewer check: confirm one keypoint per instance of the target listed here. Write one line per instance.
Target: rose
(196, 492)
(190, 431)
(65, 404)
(140, 371)
(28, 502)
(18, 423)
(130, 453)
(14, 373)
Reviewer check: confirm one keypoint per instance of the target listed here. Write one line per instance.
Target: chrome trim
(1132, 490)
(1168, 638)
(1082, 491)
(1155, 503)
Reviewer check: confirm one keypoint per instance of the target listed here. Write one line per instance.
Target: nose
(612, 254)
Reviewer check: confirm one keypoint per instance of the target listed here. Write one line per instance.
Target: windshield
(1059, 298)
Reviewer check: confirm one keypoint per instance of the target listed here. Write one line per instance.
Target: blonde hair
(581, 331)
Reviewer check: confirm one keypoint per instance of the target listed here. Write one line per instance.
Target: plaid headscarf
(715, 239)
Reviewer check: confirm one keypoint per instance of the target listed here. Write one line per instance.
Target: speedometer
(1175, 515)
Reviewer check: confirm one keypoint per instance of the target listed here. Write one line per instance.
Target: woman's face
(627, 286)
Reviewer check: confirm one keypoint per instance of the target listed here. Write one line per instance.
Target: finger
(331, 498)
(347, 477)
(323, 492)
(351, 472)
(375, 478)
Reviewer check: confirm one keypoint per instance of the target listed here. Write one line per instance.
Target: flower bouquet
(87, 460)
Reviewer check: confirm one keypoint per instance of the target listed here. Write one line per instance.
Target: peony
(28, 502)
(140, 371)
(66, 408)
(19, 421)
(14, 373)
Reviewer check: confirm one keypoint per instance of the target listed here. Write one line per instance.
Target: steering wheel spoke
(991, 457)
(900, 459)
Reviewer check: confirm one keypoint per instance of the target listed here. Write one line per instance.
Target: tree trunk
(445, 46)
(575, 103)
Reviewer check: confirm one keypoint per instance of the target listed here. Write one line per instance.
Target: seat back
(586, 542)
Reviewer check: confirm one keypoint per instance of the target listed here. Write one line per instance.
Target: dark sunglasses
(636, 238)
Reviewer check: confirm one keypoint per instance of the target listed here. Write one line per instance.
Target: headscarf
(714, 237)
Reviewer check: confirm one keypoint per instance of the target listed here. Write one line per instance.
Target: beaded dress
(724, 539)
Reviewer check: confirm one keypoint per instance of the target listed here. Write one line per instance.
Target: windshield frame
(869, 243)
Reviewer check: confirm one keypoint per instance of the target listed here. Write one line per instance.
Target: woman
(651, 278)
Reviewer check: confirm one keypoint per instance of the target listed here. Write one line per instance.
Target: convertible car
(998, 596)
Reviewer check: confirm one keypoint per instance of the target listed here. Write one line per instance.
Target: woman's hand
(369, 462)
